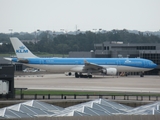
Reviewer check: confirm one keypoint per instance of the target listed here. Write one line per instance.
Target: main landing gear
(80, 75)
(141, 74)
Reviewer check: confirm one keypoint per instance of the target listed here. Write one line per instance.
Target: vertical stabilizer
(20, 49)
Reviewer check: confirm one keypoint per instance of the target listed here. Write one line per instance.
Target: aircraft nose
(155, 65)
(152, 64)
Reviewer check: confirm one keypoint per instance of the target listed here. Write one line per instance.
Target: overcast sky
(30, 15)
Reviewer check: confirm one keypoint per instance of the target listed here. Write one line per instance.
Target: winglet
(20, 49)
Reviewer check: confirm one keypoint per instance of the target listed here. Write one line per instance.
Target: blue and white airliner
(80, 66)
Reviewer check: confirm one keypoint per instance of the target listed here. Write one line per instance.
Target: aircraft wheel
(81, 76)
(126, 74)
(76, 75)
(141, 74)
(90, 76)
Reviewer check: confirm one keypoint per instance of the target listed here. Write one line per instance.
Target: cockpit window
(151, 62)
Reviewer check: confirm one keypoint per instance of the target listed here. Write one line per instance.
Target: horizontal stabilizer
(9, 59)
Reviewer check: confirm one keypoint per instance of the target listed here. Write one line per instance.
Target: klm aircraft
(80, 66)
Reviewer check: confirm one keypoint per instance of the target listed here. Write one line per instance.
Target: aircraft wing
(91, 66)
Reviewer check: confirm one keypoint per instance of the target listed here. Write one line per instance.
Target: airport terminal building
(119, 49)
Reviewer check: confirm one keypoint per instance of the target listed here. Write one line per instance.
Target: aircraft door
(118, 63)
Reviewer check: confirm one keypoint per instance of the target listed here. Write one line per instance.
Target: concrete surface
(97, 83)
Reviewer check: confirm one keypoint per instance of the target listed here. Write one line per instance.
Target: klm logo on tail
(21, 50)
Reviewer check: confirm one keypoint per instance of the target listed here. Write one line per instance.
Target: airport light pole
(100, 30)
(11, 31)
(36, 40)
(47, 34)
(99, 34)
(54, 34)
(76, 35)
(77, 30)
(95, 30)
(62, 48)
(62, 30)
(37, 34)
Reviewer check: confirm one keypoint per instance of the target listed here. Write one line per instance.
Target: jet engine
(69, 73)
(109, 71)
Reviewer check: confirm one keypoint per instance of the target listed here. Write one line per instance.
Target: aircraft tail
(20, 49)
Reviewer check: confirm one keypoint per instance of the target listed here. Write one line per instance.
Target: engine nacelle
(104, 71)
(69, 73)
(110, 71)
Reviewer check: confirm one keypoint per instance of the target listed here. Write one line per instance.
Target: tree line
(63, 43)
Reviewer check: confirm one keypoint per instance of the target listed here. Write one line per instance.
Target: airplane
(80, 66)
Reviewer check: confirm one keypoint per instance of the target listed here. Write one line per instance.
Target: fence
(113, 97)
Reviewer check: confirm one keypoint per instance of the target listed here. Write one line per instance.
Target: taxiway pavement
(97, 83)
